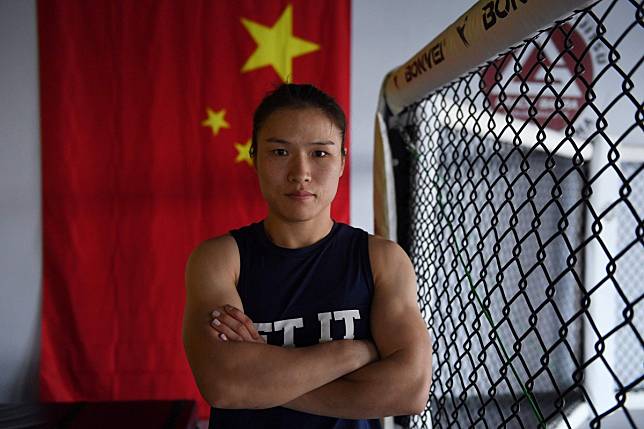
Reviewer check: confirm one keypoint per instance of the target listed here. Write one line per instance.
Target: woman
(299, 321)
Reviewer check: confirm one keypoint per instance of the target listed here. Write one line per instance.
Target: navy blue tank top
(301, 297)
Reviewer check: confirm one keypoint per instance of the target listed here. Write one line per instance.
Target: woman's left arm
(398, 383)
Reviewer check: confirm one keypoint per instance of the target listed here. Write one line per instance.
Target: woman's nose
(298, 170)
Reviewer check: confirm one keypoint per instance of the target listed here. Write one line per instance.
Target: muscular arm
(250, 375)
(398, 384)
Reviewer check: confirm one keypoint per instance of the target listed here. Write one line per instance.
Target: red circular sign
(549, 83)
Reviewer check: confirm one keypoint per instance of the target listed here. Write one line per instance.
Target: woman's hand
(232, 324)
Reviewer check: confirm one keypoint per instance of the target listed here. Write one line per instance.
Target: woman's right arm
(233, 374)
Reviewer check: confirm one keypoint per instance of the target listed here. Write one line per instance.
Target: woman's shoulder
(386, 255)
(221, 248)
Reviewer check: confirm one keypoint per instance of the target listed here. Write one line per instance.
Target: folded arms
(345, 378)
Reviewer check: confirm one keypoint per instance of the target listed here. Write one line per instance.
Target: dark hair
(297, 96)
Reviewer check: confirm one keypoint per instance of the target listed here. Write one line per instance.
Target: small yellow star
(276, 45)
(215, 120)
(243, 153)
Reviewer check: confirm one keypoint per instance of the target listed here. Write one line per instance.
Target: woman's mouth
(300, 195)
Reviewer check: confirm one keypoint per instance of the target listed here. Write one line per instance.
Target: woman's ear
(253, 156)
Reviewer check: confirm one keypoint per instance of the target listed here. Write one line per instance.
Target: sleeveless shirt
(301, 297)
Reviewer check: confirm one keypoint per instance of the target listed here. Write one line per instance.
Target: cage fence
(523, 207)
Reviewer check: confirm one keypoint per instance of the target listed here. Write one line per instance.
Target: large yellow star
(276, 45)
(215, 120)
(243, 153)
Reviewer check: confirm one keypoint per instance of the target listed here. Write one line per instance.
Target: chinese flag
(146, 110)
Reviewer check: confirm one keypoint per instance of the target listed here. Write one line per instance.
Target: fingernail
(223, 337)
(215, 313)
(228, 307)
(216, 322)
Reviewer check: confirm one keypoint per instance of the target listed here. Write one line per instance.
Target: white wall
(20, 225)
(385, 34)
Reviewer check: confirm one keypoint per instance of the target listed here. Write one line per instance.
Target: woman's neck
(295, 235)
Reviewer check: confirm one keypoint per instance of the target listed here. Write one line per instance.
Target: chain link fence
(520, 198)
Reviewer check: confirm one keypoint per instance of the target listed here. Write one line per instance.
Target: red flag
(146, 120)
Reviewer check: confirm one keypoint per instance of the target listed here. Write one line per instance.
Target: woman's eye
(280, 152)
(320, 153)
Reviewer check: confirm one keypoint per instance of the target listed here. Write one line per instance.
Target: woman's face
(299, 163)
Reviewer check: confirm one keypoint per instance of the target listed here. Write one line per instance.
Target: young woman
(299, 321)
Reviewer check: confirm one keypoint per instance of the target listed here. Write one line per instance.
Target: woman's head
(298, 149)
(291, 96)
